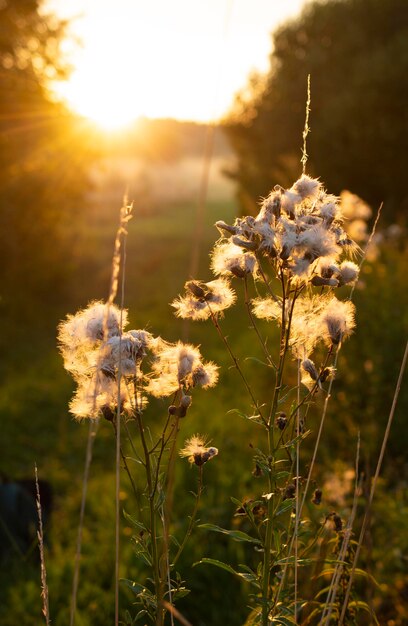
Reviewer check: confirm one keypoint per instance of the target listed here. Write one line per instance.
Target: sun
(106, 104)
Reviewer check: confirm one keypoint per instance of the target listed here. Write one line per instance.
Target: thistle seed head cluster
(203, 299)
(196, 450)
(99, 353)
(299, 233)
(300, 229)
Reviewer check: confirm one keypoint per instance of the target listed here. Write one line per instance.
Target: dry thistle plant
(296, 253)
(116, 370)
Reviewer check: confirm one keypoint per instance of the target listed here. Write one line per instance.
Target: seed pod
(242, 243)
(310, 368)
(108, 413)
(196, 288)
(317, 497)
(257, 471)
(319, 281)
(281, 420)
(289, 491)
(338, 524)
(222, 226)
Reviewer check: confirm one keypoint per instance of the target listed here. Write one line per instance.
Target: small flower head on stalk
(197, 451)
(203, 299)
(95, 357)
(179, 366)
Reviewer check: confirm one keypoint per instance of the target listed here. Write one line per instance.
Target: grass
(36, 427)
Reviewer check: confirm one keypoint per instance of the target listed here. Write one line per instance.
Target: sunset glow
(182, 59)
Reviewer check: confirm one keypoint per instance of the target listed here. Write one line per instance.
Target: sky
(165, 58)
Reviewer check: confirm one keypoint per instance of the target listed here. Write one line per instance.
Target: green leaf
(284, 621)
(140, 591)
(284, 506)
(134, 522)
(359, 604)
(252, 418)
(237, 535)
(294, 441)
(247, 576)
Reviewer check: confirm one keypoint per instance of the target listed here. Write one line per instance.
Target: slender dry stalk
(374, 484)
(40, 536)
(306, 129)
(331, 596)
(173, 611)
(297, 489)
(125, 215)
(93, 428)
(120, 245)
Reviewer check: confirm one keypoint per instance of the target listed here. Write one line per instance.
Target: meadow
(36, 426)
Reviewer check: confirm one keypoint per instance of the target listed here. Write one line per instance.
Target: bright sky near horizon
(161, 58)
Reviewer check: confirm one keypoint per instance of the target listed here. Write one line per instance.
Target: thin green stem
(236, 363)
(153, 524)
(192, 516)
(255, 327)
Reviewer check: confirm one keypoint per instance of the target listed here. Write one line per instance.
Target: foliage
(42, 176)
(356, 52)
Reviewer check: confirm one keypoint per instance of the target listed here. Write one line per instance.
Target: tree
(42, 177)
(356, 52)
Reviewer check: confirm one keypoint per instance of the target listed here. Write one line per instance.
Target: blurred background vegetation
(62, 183)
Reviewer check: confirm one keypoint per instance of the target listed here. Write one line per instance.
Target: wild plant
(293, 257)
(116, 371)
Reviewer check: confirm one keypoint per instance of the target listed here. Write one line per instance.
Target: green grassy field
(36, 425)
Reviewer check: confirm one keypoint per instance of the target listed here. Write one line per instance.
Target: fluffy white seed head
(196, 450)
(348, 273)
(229, 259)
(338, 320)
(307, 187)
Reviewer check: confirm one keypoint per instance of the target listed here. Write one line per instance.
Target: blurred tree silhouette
(41, 161)
(356, 52)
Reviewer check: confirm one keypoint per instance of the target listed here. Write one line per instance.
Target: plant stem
(153, 525)
(233, 357)
(193, 515)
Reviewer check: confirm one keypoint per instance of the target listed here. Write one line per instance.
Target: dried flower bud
(338, 524)
(259, 510)
(317, 497)
(328, 372)
(310, 368)
(196, 288)
(185, 404)
(257, 471)
(108, 413)
(281, 420)
(320, 281)
(244, 243)
(223, 226)
(289, 492)
(202, 457)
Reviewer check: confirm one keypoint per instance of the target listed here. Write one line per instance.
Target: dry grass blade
(120, 245)
(331, 596)
(93, 427)
(173, 611)
(374, 484)
(40, 535)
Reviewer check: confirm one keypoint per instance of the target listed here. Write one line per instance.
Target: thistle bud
(243, 243)
(338, 524)
(289, 492)
(108, 413)
(196, 289)
(320, 281)
(317, 497)
(281, 420)
(223, 227)
(310, 368)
